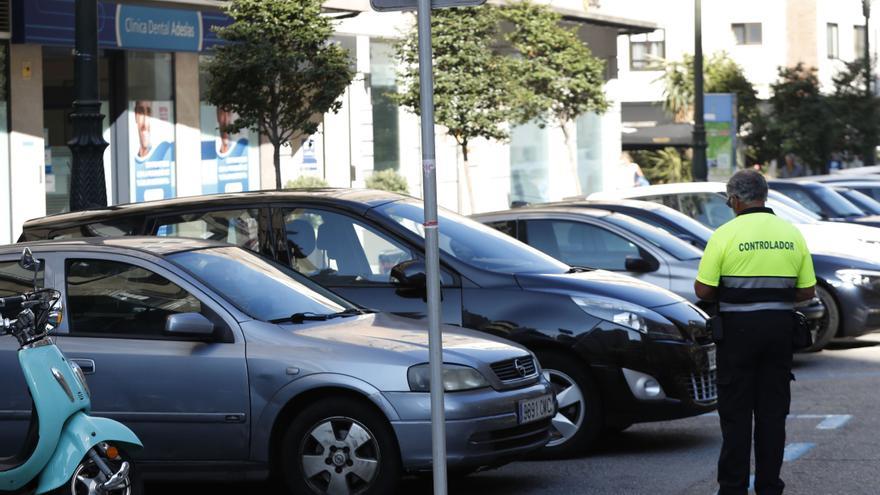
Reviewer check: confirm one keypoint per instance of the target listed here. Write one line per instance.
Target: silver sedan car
(229, 366)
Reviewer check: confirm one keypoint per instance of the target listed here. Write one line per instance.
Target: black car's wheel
(579, 420)
(87, 477)
(827, 326)
(340, 446)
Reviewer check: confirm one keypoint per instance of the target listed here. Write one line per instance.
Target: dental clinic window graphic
(151, 142)
(229, 160)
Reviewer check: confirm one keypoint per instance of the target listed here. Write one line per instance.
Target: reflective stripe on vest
(747, 290)
(758, 306)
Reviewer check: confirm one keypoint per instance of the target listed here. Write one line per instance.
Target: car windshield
(786, 212)
(837, 204)
(863, 201)
(686, 223)
(473, 243)
(259, 288)
(805, 212)
(660, 238)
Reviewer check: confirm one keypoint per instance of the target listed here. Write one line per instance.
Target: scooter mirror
(28, 262)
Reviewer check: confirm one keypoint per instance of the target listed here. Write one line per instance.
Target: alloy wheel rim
(571, 409)
(339, 456)
(829, 319)
(87, 478)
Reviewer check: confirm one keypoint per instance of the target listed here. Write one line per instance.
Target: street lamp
(700, 171)
(87, 187)
(870, 144)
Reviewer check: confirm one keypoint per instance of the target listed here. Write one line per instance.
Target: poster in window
(230, 161)
(151, 148)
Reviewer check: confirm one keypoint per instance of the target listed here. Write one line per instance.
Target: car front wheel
(826, 327)
(579, 420)
(340, 446)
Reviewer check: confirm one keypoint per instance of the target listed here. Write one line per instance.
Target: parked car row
(283, 356)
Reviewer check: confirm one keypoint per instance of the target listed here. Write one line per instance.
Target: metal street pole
(871, 143)
(700, 171)
(87, 187)
(432, 246)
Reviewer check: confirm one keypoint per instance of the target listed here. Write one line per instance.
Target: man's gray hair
(748, 185)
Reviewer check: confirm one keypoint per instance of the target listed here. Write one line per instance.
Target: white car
(705, 202)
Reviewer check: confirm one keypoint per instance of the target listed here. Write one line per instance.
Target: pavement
(832, 445)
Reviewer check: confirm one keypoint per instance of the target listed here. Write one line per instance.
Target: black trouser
(754, 379)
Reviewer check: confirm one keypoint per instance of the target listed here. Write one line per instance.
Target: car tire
(830, 323)
(579, 420)
(340, 440)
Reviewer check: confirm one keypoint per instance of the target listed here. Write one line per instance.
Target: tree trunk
(572, 160)
(276, 160)
(467, 178)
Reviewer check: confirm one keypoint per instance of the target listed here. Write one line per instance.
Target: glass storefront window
(58, 95)
(386, 126)
(150, 82)
(589, 152)
(529, 177)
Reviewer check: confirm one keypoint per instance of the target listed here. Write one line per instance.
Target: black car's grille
(511, 438)
(515, 369)
(702, 387)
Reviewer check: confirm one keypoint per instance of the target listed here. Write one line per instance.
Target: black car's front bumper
(859, 309)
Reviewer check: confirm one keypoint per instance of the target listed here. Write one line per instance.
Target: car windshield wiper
(579, 269)
(310, 316)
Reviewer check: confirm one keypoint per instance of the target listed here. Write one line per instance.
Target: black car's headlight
(859, 278)
(456, 378)
(629, 315)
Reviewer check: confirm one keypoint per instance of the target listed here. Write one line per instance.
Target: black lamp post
(700, 171)
(87, 187)
(871, 140)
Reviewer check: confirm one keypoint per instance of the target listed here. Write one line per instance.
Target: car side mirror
(410, 274)
(638, 265)
(189, 325)
(28, 262)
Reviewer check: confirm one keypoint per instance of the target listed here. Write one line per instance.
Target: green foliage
(856, 117)
(800, 119)
(664, 166)
(559, 78)
(472, 84)
(306, 182)
(278, 72)
(388, 180)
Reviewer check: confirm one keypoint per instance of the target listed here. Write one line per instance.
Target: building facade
(164, 139)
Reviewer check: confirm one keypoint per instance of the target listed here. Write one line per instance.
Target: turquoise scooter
(66, 451)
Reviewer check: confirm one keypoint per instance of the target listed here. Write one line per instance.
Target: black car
(824, 201)
(849, 309)
(618, 350)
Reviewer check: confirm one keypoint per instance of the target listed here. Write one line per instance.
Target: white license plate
(711, 355)
(536, 409)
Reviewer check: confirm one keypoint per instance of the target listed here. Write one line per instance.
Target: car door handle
(86, 365)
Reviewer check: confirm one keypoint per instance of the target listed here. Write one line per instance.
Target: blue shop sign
(158, 29)
(51, 22)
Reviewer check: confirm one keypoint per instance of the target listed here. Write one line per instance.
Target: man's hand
(804, 294)
(706, 292)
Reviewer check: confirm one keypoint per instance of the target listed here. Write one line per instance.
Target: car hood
(405, 340)
(842, 239)
(600, 283)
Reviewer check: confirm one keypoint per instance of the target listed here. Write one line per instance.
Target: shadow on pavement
(842, 345)
(654, 441)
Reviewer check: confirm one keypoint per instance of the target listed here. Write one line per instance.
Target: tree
(306, 182)
(800, 121)
(665, 166)
(559, 78)
(277, 70)
(721, 75)
(473, 85)
(856, 117)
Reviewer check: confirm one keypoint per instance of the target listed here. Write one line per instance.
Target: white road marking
(794, 451)
(829, 421)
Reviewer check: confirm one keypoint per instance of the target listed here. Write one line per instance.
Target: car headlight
(456, 378)
(859, 278)
(628, 315)
(78, 373)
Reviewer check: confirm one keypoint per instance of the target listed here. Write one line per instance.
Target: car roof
(677, 188)
(161, 246)
(573, 210)
(358, 199)
(856, 183)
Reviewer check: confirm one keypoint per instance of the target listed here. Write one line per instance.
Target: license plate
(711, 355)
(536, 409)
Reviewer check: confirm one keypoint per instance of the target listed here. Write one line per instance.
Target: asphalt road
(832, 445)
